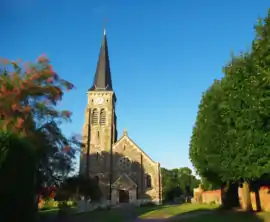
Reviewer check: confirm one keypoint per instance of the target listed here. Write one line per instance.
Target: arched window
(95, 117)
(102, 120)
(148, 182)
(97, 156)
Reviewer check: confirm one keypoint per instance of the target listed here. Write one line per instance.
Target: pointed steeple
(103, 80)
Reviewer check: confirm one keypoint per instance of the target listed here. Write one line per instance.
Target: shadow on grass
(209, 215)
(219, 215)
(171, 211)
(47, 215)
(163, 213)
(146, 209)
(52, 215)
(124, 213)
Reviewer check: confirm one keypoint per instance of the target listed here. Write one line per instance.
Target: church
(124, 172)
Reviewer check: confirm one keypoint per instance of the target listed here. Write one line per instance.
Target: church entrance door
(123, 196)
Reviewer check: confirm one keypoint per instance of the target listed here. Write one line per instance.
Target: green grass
(205, 213)
(173, 210)
(181, 213)
(146, 209)
(113, 215)
(229, 216)
(145, 212)
(51, 210)
(48, 211)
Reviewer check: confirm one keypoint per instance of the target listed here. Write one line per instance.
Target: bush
(50, 203)
(63, 204)
(213, 202)
(67, 203)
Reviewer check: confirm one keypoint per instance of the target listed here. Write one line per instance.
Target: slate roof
(102, 79)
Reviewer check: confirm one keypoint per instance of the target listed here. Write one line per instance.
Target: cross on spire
(105, 24)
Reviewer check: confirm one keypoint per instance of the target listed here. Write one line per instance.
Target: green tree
(177, 182)
(230, 141)
(207, 138)
(207, 185)
(187, 181)
(250, 100)
(17, 175)
(78, 185)
(216, 149)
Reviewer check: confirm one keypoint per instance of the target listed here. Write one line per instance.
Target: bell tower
(99, 131)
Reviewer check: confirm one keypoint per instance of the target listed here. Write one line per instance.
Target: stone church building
(125, 173)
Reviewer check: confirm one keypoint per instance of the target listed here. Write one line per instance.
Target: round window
(124, 163)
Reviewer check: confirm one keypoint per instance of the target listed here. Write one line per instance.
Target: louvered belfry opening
(102, 117)
(95, 117)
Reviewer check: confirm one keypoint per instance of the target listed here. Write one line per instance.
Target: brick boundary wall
(214, 196)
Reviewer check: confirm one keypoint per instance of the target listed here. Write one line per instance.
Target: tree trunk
(258, 199)
(229, 196)
(17, 190)
(247, 206)
(17, 179)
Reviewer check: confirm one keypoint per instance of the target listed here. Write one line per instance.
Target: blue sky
(163, 53)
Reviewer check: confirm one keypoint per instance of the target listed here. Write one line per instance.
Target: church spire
(103, 80)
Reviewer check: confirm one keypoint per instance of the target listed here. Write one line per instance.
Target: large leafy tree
(248, 92)
(29, 94)
(17, 174)
(214, 149)
(208, 135)
(208, 185)
(233, 136)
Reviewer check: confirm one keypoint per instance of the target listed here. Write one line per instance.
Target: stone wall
(214, 196)
(140, 166)
(85, 206)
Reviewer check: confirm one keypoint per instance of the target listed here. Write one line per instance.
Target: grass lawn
(145, 212)
(48, 211)
(177, 213)
(168, 211)
(113, 215)
(220, 216)
(45, 214)
(49, 214)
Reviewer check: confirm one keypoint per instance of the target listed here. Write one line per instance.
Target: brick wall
(211, 196)
(214, 196)
(264, 198)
